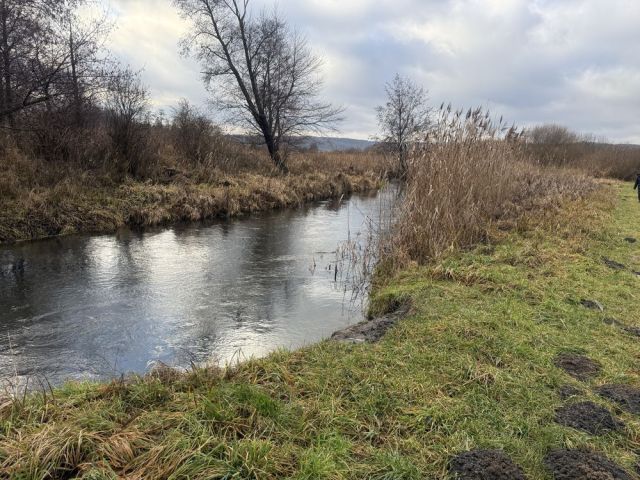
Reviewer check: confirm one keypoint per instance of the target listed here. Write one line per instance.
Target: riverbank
(34, 206)
(476, 365)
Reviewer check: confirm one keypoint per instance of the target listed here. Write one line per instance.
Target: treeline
(557, 145)
(65, 99)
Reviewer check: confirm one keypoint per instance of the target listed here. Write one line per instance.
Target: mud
(578, 366)
(568, 391)
(371, 331)
(588, 417)
(484, 465)
(592, 305)
(583, 465)
(631, 330)
(625, 396)
(613, 264)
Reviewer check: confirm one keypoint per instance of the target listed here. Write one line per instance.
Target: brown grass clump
(468, 175)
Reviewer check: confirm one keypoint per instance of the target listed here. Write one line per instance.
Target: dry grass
(469, 175)
(41, 199)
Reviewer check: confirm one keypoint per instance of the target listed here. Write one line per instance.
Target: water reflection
(98, 306)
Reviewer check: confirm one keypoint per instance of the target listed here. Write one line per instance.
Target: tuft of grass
(471, 367)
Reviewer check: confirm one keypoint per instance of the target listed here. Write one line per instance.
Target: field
(474, 366)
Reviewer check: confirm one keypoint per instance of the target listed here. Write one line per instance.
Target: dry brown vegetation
(555, 145)
(41, 199)
(468, 176)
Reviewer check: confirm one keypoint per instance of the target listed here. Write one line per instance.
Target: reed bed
(470, 174)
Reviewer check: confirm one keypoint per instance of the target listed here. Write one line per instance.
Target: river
(93, 307)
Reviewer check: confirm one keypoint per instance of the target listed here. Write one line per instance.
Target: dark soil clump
(588, 417)
(635, 331)
(592, 305)
(568, 391)
(631, 240)
(583, 465)
(613, 264)
(613, 321)
(484, 465)
(632, 331)
(626, 396)
(578, 366)
(373, 330)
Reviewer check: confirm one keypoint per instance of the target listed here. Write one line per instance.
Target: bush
(193, 134)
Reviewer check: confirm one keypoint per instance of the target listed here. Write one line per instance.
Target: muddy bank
(372, 331)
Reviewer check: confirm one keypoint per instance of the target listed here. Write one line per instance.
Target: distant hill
(330, 144)
(324, 144)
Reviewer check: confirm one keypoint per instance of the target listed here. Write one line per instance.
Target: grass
(472, 367)
(41, 200)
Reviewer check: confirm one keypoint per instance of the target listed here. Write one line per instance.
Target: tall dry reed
(469, 172)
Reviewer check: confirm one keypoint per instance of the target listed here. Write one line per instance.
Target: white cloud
(569, 61)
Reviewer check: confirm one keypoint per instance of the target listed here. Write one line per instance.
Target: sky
(571, 62)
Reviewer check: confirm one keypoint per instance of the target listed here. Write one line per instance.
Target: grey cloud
(570, 61)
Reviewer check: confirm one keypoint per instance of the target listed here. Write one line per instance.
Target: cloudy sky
(574, 62)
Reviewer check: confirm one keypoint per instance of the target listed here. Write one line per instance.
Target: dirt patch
(613, 321)
(485, 464)
(583, 465)
(588, 417)
(578, 366)
(592, 305)
(371, 331)
(626, 396)
(613, 264)
(631, 240)
(568, 391)
(635, 331)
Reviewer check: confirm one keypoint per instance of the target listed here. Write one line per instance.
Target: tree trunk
(7, 94)
(404, 157)
(77, 100)
(274, 153)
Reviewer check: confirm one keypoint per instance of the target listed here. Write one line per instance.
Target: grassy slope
(472, 367)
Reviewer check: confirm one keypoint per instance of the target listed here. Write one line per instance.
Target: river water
(95, 307)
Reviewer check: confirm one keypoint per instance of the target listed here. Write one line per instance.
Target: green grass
(472, 367)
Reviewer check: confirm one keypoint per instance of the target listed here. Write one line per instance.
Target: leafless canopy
(49, 58)
(404, 117)
(262, 73)
(552, 134)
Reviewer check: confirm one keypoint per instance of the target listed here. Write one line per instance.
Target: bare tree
(262, 72)
(89, 69)
(30, 58)
(404, 117)
(194, 134)
(127, 113)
